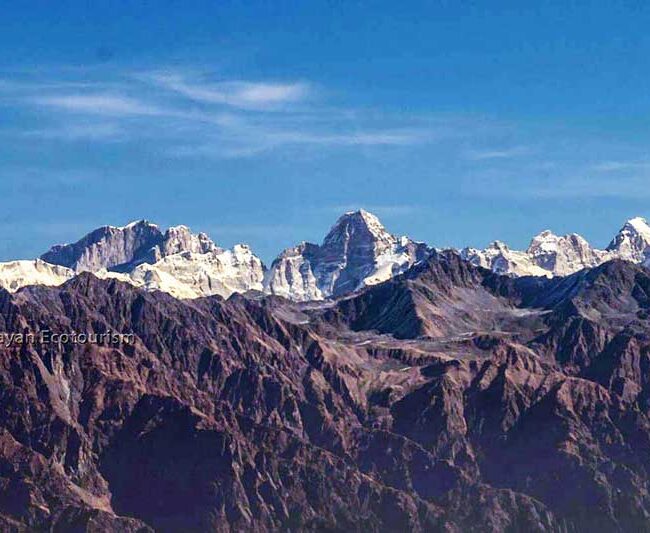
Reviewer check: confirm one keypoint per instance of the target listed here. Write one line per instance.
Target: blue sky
(455, 122)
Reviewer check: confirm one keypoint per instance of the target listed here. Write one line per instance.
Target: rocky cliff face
(448, 398)
(179, 239)
(123, 249)
(563, 255)
(178, 262)
(357, 252)
(109, 248)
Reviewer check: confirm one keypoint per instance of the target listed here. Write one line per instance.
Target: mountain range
(447, 398)
(357, 252)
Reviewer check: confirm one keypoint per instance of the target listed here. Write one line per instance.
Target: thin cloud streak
(618, 166)
(243, 94)
(101, 104)
(228, 119)
(508, 153)
(566, 184)
(261, 141)
(79, 132)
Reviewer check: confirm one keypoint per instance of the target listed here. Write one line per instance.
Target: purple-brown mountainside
(448, 398)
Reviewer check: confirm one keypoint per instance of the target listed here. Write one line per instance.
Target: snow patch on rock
(17, 274)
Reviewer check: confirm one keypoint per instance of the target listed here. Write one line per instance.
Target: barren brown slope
(441, 400)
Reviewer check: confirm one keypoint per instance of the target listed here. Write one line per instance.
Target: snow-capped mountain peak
(562, 255)
(640, 225)
(548, 254)
(357, 251)
(134, 224)
(108, 247)
(177, 261)
(545, 239)
(181, 239)
(632, 242)
(359, 226)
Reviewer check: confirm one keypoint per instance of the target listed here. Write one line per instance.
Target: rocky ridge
(553, 255)
(447, 398)
(178, 262)
(357, 252)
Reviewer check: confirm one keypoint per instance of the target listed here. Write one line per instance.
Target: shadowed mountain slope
(445, 399)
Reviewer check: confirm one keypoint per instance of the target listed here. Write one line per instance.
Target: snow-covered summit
(562, 255)
(632, 242)
(133, 224)
(357, 251)
(362, 223)
(499, 258)
(181, 239)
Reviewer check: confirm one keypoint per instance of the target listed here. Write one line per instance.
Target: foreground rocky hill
(448, 398)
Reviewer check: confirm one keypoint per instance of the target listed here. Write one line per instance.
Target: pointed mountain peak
(544, 241)
(546, 234)
(357, 251)
(547, 241)
(136, 224)
(498, 246)
(107, 247)
(133, 226)
(180, 238)
(638, 224)
(359, 216)
(367, 216)
(360, 222)
(632, 239)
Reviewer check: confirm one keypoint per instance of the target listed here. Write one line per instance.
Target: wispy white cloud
(618, 166)
(363, 138)
(574, 180)
(259, 141)
(191, 116)
(99, 104)
(79, 132)
(9, 86)
(505, 153)
(243, 94)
